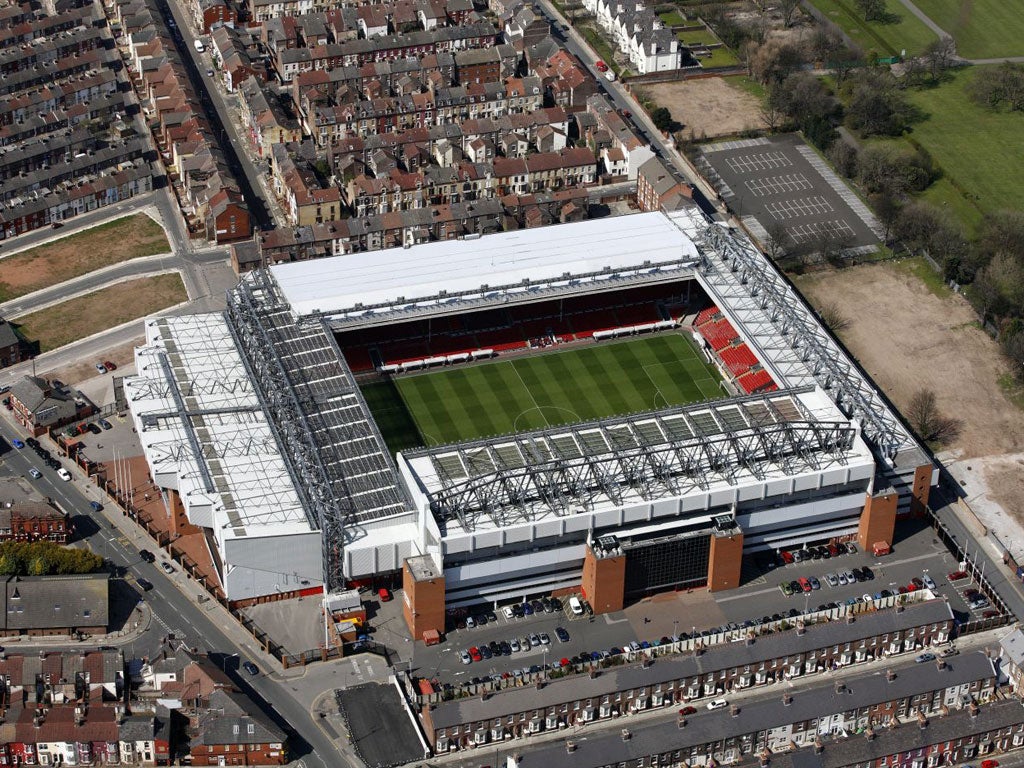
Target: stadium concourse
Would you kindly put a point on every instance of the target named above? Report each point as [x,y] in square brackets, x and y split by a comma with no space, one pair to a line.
[687,408]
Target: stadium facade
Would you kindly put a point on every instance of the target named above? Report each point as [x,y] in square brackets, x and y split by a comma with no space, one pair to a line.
[254,423]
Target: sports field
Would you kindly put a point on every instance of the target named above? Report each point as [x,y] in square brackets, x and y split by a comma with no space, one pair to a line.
[558,387]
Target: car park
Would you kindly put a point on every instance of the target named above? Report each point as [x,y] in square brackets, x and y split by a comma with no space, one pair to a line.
[717,704]
[251,668]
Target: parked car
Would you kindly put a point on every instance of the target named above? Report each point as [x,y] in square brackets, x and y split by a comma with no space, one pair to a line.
[17,443]
[474,654]
[514,645]
[105,424]
[146,586]
[64,475]
[851,548]
[109,365]
[146,555]
[786,588]
[978,602]
[101,368]
[486,652]
[94,428]
[832,579]
[166,567]
[251,668]
[470,622]
[35,472]
[717,704]
[925,657]
[601,66]
[956,575]
[545,639]
[96,506]
[815,584]
[384,594]
[869,575]
[683,712]
[928,581]
[805,584]
[561,634]
[508,613]
[534,639]
[575,606]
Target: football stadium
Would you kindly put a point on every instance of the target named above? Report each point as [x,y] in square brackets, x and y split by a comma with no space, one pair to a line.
[613,407]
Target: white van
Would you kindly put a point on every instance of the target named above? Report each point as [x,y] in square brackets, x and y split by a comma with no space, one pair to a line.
[575,606]
[199,45]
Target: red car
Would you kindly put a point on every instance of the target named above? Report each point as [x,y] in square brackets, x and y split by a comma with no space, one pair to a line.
[109,365]
[384,594]
[989,764]
[787,556]
[601,66]
[474,654]
[687,711]
[956,575]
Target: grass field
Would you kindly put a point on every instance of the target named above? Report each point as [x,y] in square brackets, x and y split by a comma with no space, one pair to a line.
[889,39]
[505,396]
[981,28]
[75,255]
[76,319]
[979,151]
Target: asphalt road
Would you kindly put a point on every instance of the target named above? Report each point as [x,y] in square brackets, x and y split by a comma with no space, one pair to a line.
[199,625]
[245,172]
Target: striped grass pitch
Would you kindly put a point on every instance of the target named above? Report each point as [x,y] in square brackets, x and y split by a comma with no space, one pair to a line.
[503,396]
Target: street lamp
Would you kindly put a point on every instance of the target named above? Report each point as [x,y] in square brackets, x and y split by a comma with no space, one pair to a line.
[675,635]
[224,662]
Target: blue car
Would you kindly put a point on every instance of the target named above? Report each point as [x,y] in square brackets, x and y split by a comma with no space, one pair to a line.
[96,506]
[17,443]
[527,609]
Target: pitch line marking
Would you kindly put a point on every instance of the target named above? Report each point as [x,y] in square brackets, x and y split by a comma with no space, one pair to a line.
[528,392]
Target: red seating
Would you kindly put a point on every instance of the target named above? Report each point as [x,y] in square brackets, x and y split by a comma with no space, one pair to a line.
[358,359]
[719,334]
[757,381]
[738,359]
[705,316]
[635,315]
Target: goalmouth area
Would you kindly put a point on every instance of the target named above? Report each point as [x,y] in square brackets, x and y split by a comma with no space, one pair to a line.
[557,386]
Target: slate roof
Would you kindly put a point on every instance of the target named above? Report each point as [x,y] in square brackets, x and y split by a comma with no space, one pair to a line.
[669,668]
[755,716]
[228,718]
[56,602]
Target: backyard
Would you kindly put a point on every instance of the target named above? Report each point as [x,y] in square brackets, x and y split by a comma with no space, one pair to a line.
[120,240]
[79,318]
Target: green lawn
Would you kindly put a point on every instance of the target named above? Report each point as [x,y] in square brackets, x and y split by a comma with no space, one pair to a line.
[505,396]
[672,19]
[907,32]
[720,57]
[697,37]
[982,28]
[981,152]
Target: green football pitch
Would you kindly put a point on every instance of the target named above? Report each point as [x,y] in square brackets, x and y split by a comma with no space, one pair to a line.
[557,387]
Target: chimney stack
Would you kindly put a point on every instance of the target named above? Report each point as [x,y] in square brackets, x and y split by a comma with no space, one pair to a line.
[890,675]
[626,735]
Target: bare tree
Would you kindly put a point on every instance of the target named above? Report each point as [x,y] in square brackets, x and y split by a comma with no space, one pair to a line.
[788,9]
[833,318]
[939,56]
[872,10]
[778,241]
[924,416]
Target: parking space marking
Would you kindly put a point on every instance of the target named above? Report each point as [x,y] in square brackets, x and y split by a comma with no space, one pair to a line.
[762,161]
[802,233]
[800,207]
[777,185]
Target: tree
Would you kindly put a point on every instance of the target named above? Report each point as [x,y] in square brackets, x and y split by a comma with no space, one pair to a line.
[1002,232]
[887,208]
[877,106]
[924,416]
[883,167]
[998,87]
[843,156]
[1012,342]
[662,119]
[788,9]
[1003,277]
[939,55]
[833,318]
[872,10]
[773,61]
[831,246]
[777,241]
[923,227]
[773,108]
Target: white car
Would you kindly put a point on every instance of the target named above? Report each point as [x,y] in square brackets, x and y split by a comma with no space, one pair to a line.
[841,577]
[63,474]
[832,579]
[928,581]
[507,612]
[718,704]
[575,606]
[464,657]
[470,622]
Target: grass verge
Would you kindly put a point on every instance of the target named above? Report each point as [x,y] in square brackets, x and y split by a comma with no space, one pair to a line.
[76,319]
[111,243]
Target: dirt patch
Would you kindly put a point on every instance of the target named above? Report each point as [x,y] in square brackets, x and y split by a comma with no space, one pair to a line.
[70,321]
[909,338]
[708,107]
[111,243]
[1005,479]
[121,355]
